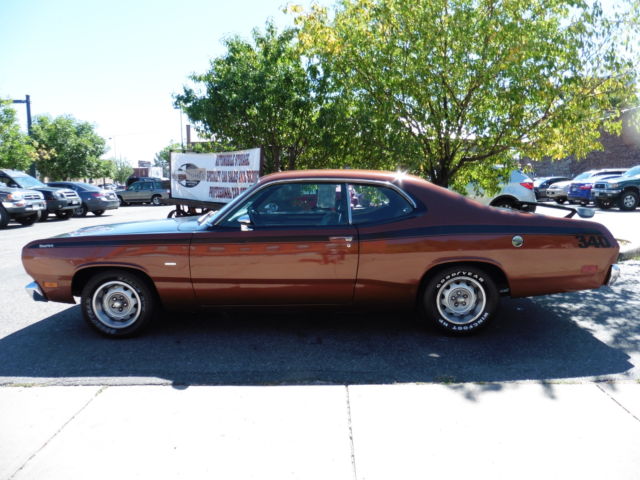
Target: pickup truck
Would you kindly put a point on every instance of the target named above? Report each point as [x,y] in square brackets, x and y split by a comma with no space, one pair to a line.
[23,206]
[623,191]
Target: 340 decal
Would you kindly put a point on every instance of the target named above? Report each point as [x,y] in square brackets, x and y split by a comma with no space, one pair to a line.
[597,241]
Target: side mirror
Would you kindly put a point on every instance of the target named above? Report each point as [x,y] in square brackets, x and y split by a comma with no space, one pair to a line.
[584,212]
[245,223]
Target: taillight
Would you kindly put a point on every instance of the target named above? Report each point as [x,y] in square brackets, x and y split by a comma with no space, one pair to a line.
[528,185]
[586,186]
[98,195]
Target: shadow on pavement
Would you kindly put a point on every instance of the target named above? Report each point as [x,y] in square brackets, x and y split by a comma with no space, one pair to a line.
[530,340]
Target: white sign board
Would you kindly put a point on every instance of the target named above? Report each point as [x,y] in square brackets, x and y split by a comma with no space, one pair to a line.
[213,177]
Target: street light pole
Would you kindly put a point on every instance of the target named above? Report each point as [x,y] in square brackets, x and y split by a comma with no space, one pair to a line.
[27,101]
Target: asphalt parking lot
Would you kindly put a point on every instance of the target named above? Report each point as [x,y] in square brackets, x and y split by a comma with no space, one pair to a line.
[321,394]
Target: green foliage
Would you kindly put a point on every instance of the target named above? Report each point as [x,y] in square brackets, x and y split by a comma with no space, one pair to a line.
[259,93]
[15,149]
[163,157]
[67,148]
[121,170]
[447,88]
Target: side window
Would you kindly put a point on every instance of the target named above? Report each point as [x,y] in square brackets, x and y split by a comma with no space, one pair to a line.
[293,204]
[374,203]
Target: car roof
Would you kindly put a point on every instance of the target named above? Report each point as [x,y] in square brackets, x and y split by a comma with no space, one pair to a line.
[340,174]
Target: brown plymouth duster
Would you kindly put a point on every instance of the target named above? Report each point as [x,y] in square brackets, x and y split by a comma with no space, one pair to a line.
[325,237]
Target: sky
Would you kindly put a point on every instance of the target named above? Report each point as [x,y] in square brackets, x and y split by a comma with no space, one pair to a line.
[117,63]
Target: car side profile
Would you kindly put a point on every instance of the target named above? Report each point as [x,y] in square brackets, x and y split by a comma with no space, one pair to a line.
[155,192]
[346,238]
[94,199]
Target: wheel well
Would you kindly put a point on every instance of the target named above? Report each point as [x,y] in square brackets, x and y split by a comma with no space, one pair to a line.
[498,276]
[510,199]
[82,277]
[634,189]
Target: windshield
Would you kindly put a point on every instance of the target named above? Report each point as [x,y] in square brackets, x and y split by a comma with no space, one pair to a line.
[582,176]
[633,172]
[213,215]
[28,182]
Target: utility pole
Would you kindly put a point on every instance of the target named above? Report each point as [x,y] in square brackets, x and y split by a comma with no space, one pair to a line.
[27,101]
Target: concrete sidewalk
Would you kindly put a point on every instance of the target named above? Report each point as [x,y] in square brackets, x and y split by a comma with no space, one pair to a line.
[497,431]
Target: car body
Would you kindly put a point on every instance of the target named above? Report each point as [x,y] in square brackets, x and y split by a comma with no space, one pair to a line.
[512,193]
[293,239]
[94,199]
[581,185]
[155,192]
[541,184]
[23,206]
[60,201]
[623,191]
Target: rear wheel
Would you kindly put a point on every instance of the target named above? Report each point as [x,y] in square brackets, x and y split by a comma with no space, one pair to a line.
[64,215]
[29,220]
[156,200]
[460,300]
[628,200]
[122,202]
[117,303]
[503,203]
[97,213]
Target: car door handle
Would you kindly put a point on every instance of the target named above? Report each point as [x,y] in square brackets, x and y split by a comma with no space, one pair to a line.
[340,239]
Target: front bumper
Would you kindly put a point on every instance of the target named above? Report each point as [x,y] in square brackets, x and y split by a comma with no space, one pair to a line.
[605,194]
[35,292]
[61,205]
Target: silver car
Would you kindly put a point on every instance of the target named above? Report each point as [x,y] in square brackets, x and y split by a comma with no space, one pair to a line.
[518,189]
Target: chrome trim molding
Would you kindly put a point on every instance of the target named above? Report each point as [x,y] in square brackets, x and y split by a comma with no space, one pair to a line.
[33,290]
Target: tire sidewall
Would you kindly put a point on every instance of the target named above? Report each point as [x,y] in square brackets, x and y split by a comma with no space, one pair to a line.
[627,194]
[147,300]
[430,308]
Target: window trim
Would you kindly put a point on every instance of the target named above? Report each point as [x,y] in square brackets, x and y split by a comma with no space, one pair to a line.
[346,181]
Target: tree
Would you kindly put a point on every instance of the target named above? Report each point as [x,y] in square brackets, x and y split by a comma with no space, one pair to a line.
[67,148]
[15,148]
[452,87]
[122,171]
[257,94]
[162,158]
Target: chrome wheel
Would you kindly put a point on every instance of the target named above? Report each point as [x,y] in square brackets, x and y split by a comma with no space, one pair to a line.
[116,304]
[461,300]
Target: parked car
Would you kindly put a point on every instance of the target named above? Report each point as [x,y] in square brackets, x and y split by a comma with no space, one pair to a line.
[301,238]
[23,206]
[95,200]
[541,184]
[580,188]
[60,201]
[559,191]
[623,191]
[518,189]
[155,192]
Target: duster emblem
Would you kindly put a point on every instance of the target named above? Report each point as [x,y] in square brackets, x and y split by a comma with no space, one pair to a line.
[517,241]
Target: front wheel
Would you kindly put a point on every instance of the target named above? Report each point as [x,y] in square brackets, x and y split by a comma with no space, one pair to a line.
[460,300]
[156,200]
[628,200]
[81,211]
[117,303]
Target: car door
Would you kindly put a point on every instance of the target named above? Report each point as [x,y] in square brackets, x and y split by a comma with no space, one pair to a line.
[286,244]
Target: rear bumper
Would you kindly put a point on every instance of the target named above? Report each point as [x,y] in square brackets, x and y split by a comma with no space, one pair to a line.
[35,292]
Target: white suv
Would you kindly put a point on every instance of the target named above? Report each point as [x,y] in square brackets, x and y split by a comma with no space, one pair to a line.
[518,189]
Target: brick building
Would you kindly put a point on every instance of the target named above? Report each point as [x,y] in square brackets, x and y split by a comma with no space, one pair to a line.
[619,151]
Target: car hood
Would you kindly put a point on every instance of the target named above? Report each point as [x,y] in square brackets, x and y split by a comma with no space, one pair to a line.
[156,227]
